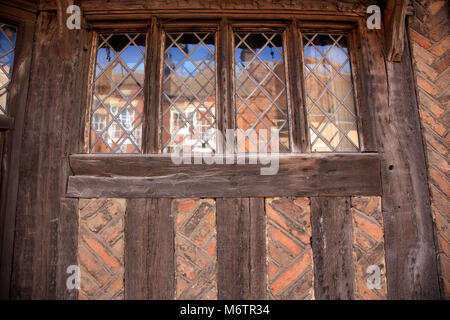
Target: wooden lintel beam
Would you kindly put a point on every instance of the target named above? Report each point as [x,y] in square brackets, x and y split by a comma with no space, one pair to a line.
[143,176]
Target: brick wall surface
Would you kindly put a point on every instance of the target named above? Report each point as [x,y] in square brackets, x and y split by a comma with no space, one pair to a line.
[429,31]
[289,252]
[368,247]
[195,248]
[100,252]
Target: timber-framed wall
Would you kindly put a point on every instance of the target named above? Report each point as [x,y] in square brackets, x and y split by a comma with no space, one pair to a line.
[53,175]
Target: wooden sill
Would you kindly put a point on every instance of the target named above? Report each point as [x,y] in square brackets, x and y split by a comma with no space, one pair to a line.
[144,176]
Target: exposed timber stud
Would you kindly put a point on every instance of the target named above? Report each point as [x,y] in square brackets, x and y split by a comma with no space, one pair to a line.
[395,13]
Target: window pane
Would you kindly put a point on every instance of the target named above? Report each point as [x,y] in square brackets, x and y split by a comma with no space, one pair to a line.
[261,99]
[330,100]
[118,98]
[189,92]
[7,47]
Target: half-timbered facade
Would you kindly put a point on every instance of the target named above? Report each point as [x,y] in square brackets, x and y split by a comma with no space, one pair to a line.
[352,115]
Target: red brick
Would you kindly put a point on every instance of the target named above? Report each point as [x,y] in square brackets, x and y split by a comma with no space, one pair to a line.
[430,104]
[439,201]
[291,274]
[284,240]
[428,119]
[279,255]
[441,48]
[435,143]
[427,86]
[186,269]
[102,253]
[421,40]
[87,260]
[441,181]
[272,270]
[368,227]
[211,248]
[435,6]
[186,206]
[444,246]
[287,225]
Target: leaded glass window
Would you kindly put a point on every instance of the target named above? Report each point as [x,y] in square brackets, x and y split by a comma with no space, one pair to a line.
[260,90]
[118,94]
[330,99]
[189,92]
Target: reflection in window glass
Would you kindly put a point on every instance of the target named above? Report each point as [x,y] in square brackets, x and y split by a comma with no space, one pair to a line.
[189,92]
[330,100]
[118,98]
[7,47]
[261,97]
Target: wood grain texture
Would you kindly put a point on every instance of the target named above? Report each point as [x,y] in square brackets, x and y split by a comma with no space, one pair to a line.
[149,250]
[67,247]
[12,147]
[6,122]
[394,25]
[332,245]
[410,251]
[92,6]
[53,128]
[154,176]
[241,251]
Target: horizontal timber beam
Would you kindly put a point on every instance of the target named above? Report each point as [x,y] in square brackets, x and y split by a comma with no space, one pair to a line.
[152,176]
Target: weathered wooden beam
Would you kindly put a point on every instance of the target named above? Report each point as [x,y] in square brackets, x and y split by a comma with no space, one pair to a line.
[241,255]
[149,250]
[54,128]
[332,245]
[67,248]
[111,6]
[12,147]
[410,251]
[394,24]
[156,176]
[6,122]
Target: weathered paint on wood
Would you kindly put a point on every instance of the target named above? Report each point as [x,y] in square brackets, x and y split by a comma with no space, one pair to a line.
[241,253]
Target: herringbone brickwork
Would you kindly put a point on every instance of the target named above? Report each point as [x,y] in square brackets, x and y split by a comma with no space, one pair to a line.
[289,252]
[100,248]
[368,247]
[429,31]
[195,249]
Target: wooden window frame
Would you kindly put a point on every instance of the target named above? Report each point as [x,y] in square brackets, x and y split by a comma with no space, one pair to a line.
[325,174]
[12,125]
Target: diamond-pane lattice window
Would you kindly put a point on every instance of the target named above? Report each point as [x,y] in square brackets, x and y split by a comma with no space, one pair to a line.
[261,93]
[118,97]
[330,99]
[7,47]
[189,92]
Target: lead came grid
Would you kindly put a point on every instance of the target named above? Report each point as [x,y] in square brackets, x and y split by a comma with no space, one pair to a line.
[330,100]
[118,99]
[189,92]
[261,93]
[7,47]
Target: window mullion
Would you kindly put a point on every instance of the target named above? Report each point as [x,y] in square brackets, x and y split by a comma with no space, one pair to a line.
[152,123]
[224,56]
[299,127]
